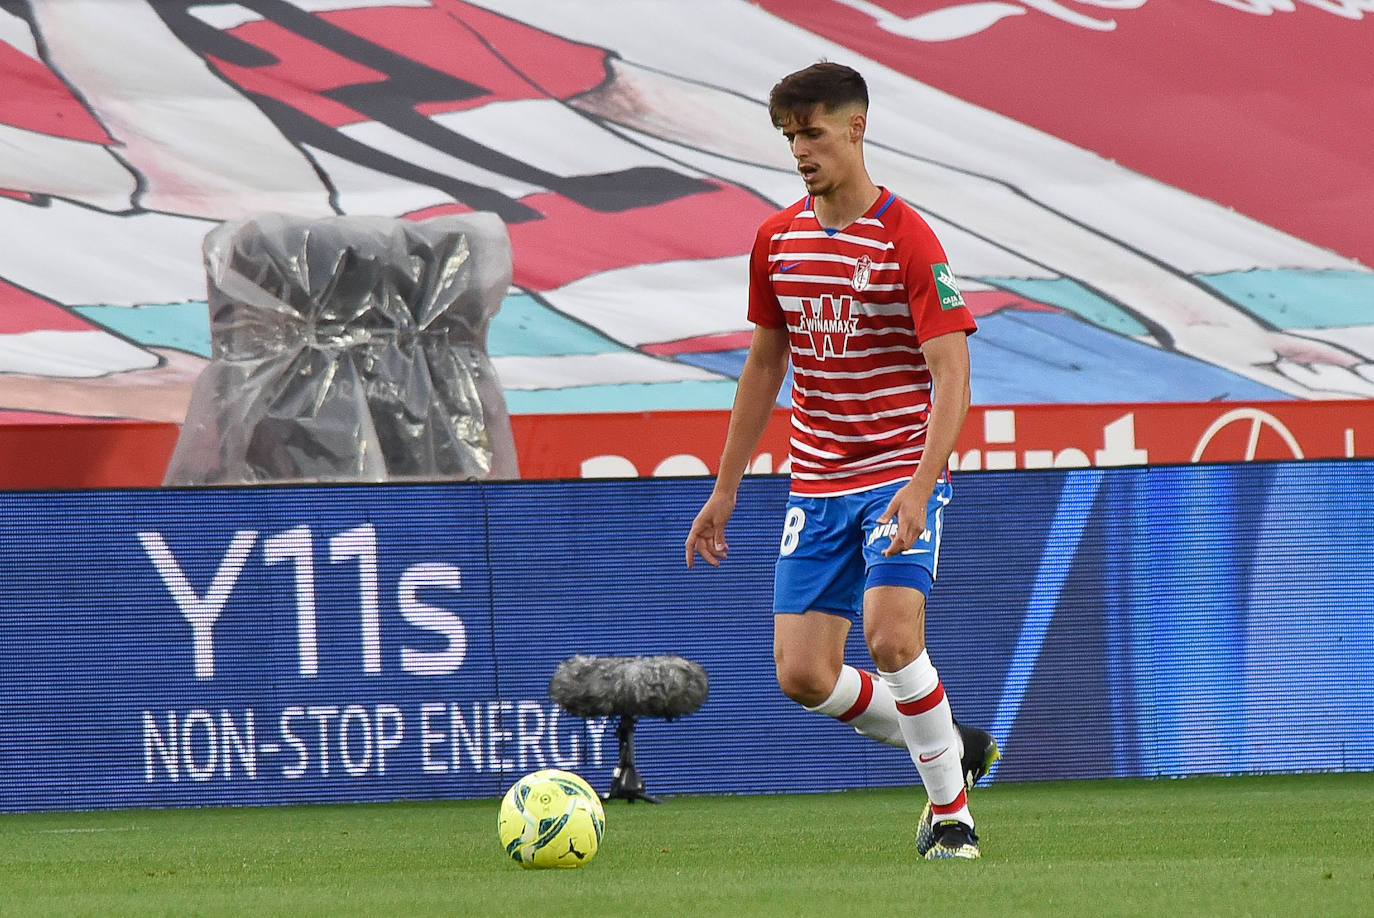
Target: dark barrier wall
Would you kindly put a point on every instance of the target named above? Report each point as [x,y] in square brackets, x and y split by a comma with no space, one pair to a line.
[169,647]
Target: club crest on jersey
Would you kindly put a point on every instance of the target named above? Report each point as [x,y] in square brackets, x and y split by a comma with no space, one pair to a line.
[862,269]
[946,286]
[829,322]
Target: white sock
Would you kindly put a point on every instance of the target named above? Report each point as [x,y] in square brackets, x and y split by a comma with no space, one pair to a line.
[863,701]
[931,737]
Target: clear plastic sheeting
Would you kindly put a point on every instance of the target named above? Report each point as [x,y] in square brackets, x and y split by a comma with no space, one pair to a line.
[350,349]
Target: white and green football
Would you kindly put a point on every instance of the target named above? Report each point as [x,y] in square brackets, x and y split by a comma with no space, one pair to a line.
[551,818]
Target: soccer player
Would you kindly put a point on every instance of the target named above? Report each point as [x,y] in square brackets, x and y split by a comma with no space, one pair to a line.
[853,288]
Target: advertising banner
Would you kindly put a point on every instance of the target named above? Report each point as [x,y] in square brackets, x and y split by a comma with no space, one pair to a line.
[308,644]
[1009,437]
[646,444]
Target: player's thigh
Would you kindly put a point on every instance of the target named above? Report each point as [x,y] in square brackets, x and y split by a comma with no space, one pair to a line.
[894,625]
[896,587]
[810,636]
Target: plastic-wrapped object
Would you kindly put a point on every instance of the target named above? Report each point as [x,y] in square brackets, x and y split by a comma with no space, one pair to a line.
[350,348]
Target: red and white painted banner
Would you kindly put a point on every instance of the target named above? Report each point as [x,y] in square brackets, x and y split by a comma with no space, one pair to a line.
[1021,437]
[1186,92]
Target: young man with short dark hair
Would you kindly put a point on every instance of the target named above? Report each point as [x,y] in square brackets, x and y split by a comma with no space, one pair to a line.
[852,288]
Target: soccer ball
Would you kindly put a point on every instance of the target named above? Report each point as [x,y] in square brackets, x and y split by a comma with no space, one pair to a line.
[551,818]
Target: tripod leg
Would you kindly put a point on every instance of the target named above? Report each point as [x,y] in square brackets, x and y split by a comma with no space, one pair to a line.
[625,781]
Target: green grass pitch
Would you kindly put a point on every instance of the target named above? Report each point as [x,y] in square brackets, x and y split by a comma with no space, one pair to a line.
[1260,845]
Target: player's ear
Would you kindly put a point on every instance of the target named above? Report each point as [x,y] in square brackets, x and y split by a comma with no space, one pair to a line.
[858,121]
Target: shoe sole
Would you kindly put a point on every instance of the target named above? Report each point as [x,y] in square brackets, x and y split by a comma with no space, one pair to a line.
[925,832]
[963,852]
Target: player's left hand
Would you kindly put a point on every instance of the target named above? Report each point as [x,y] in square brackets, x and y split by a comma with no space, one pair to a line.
[908,506]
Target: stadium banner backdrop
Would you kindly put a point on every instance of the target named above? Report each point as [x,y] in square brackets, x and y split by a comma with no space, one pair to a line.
[171,647]
[56,453]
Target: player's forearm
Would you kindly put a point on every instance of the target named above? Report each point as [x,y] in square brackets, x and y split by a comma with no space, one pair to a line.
[755,397]
[947,414]
[949,405]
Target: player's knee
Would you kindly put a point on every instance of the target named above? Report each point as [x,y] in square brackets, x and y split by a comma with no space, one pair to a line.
[806,685]
[892,651]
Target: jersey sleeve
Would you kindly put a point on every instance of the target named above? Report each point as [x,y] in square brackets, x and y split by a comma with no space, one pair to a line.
[764,308]
[937,305]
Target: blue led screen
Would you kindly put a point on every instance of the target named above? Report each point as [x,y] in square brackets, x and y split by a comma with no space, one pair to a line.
[292,644]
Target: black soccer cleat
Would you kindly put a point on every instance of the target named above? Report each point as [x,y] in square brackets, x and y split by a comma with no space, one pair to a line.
[980,751]
[953,839]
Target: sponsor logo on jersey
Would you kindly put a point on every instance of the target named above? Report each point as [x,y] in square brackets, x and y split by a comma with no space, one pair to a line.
[829,322]
[947,287]
[862,269]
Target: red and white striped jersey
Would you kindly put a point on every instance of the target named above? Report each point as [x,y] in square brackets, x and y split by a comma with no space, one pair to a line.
[856,303]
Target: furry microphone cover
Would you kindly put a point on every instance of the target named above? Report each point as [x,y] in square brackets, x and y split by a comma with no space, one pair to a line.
[665,686]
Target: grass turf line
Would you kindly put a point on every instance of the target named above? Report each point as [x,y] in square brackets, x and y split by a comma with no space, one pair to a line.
[1260,845]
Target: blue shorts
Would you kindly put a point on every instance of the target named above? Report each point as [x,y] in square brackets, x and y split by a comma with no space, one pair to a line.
[832,550]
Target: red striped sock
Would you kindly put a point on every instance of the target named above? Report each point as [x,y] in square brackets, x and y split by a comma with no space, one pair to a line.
[931,737]
[863,701]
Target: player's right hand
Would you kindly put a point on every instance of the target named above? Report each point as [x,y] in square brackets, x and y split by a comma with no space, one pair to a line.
[707,535]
